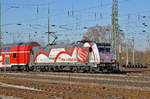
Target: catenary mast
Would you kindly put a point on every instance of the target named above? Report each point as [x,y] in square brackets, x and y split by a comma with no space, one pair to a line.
[115,36]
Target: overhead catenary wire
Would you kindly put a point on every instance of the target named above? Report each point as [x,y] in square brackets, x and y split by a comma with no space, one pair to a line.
[76,18]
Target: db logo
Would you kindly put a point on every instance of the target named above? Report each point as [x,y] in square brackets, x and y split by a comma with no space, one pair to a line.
[82,55]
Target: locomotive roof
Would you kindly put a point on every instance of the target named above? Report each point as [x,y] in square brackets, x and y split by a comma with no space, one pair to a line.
[22,43]
[103,44]
[66,45]
[62,45]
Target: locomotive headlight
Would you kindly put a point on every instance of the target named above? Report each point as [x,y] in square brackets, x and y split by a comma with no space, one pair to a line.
[102,60]
[113,60]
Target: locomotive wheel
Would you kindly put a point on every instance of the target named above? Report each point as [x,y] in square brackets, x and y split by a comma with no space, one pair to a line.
[91,70]
[74,69]
[42,69]
[105,70]
[31,68]
[50,69]
[37,69]
[86,70]
[55,69]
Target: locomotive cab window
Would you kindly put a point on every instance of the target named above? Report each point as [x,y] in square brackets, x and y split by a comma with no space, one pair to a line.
[101,50]
[90,49]
[107,49]
[14,55]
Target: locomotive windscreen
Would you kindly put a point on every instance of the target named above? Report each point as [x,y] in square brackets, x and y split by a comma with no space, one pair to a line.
[103,47]
[104,50]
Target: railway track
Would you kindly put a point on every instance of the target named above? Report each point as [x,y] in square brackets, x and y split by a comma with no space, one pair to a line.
[122,69]
[46,90]
[86,78]
[74,86]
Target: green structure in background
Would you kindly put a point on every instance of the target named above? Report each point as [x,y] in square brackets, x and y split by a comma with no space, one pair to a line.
[115,36]
[0,29]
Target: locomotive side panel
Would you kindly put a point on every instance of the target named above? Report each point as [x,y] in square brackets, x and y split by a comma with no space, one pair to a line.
[67,56]
[56,55]
[75,54]
[59,55]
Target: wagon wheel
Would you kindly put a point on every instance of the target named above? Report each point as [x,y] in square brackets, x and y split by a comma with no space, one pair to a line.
[26,68]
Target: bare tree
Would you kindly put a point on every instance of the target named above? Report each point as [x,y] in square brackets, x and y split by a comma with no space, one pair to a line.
[101,34]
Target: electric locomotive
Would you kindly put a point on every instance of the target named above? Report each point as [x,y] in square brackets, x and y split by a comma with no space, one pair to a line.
[82,56]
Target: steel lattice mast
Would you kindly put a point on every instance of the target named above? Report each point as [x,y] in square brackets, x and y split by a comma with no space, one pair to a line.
[0,29]
[115,30]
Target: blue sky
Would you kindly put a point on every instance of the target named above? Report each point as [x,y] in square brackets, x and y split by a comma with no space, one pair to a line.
[32,15]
